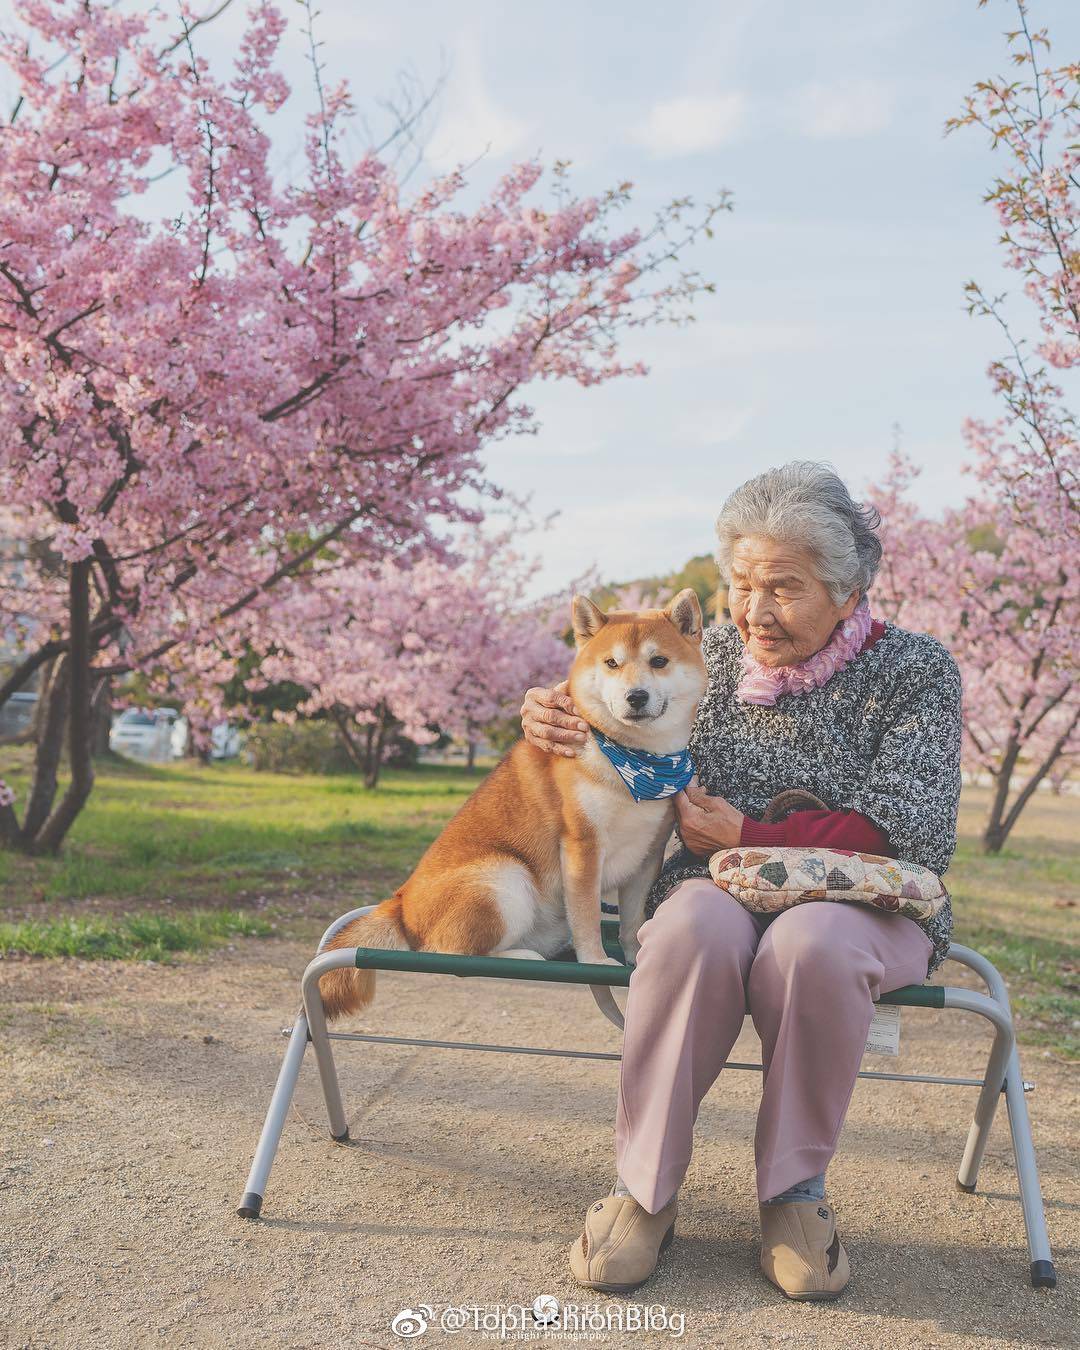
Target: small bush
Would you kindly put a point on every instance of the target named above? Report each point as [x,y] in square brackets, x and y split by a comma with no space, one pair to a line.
[401,753]
[316,747]
[303,747]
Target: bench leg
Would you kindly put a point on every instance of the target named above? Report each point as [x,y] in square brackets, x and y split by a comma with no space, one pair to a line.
[266,1149]
[986,1107]
[1043,1275]
[320,1043]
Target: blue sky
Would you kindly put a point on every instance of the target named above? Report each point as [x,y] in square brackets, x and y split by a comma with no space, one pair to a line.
[838,309]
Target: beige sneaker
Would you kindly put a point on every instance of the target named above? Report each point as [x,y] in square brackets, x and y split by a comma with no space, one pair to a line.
[621,1243]
[801,1252]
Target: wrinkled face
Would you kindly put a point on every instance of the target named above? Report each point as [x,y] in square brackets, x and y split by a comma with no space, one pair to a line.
[781,607]
[643,668]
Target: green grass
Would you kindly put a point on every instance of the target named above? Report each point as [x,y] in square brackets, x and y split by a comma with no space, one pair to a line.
[1020,909]
[190,839]
[192,834]
[131,937]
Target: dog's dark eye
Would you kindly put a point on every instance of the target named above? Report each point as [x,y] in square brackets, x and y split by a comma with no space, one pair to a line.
[658,662]
[611,663]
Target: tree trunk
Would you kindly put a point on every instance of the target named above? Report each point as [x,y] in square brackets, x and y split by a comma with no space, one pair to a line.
[376,743]
[37,721]
[993,837]
[9,827]
[101,717]
[995,831]
[341,721]
[80,762]
[470,762]
[1000,824]
[50,740]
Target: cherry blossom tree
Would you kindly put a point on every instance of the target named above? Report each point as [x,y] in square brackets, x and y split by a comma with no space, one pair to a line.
[438,646]
[195,408]
[997,579]
[1060,774]
[998,591]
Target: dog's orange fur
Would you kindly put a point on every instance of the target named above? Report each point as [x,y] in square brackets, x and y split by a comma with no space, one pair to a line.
[532,812]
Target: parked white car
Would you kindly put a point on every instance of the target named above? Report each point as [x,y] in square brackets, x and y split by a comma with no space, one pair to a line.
[160,734]
[226,741]
[178,738]
[144,733]
[17,714]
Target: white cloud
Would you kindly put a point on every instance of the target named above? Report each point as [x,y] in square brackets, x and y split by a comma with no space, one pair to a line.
[558,446]
[703,344]
[471,124]
[622,537]
[714,425]
[342,22]
[840,110]
[649,508]
[690,125]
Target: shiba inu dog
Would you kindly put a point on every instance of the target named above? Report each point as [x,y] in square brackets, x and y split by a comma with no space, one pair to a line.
[519,870]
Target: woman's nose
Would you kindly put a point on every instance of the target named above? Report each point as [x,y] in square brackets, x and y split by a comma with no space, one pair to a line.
[759,611]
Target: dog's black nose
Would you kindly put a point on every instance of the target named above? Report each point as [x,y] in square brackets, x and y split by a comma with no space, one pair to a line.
[637,698]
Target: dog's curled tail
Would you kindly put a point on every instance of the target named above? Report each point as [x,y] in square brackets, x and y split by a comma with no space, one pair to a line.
[350,989]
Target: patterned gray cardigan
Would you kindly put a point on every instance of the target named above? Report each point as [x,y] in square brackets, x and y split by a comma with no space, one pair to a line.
[882,737]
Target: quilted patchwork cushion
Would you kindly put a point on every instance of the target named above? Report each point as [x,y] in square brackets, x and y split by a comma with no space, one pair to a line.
[766,880]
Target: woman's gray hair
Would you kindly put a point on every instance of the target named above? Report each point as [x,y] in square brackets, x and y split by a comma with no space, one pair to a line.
[805,502]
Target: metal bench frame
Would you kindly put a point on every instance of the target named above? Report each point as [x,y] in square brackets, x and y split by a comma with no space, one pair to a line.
[1002,1071]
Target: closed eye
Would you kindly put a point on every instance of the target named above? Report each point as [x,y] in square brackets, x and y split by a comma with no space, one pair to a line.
[658,662]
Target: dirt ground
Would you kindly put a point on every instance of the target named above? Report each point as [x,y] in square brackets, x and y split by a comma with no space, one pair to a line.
[132,1096]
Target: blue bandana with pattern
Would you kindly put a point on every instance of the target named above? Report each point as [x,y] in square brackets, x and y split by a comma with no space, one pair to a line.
[647,777]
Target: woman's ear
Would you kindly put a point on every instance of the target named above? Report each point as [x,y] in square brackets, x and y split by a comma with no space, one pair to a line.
[684,611]
[847,609]
[587,619]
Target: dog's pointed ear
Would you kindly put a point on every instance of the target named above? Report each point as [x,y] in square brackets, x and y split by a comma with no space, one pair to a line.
[684,611]
[588,620]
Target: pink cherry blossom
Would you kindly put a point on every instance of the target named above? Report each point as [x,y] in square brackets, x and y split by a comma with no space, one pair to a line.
[437,646]
[196,408]
[998,579]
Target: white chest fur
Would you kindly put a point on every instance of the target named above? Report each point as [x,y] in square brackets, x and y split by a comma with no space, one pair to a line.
[626,830]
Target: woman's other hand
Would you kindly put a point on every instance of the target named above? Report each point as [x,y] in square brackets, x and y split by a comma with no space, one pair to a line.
[550,721]
[706,823]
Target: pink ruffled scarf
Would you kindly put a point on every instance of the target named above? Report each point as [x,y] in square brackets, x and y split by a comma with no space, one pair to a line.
[764,684]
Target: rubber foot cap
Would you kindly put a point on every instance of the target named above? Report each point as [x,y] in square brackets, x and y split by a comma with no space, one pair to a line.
[968,1190]
[250,1205]
[340,1138]
[1043,1275]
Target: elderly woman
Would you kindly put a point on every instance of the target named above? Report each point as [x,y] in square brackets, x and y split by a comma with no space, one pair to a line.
[806,690]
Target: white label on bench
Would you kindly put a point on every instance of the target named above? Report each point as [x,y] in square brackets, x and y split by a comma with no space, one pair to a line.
[883,1038]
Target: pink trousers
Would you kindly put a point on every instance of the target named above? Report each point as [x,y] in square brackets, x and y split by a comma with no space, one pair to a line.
[808,978]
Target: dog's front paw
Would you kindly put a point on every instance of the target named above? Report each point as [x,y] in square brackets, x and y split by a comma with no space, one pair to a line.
[630,948]
[602,960]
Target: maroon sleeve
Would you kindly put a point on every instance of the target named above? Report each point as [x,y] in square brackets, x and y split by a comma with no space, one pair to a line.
[829,829]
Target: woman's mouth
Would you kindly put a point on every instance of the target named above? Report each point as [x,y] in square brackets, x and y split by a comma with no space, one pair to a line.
[767,639]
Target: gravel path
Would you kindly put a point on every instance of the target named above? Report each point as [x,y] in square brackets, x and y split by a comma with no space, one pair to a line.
[131,1097]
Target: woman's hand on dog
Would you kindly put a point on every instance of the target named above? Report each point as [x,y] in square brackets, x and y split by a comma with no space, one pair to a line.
[550,721]
[706,823]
